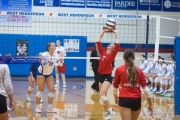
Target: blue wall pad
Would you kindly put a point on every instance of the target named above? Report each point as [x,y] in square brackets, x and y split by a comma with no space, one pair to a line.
[177,76]
[36,44]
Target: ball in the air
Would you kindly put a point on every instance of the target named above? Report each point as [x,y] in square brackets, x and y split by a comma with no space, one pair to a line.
[111,23]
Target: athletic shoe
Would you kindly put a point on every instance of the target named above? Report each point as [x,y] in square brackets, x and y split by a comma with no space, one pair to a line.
[163,93]
[168,95]
[64,85]
[151,88]
[171,89]
[109,115]
[160,92]
[38,109]
[56,85]
[51,110]
[28,98]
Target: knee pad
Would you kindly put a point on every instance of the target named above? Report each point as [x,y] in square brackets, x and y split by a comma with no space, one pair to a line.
[39,94]
[62,75]
[30,88]
[103,98]
[165,82]
[162,82]
[51,94]
[157,80]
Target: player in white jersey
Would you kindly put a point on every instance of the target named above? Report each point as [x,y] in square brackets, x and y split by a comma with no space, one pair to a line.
[143,63]
[164,80]
[60,49]
[48,61]
[160,70]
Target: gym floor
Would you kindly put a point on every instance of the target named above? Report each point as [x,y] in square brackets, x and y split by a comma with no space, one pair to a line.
[79,102]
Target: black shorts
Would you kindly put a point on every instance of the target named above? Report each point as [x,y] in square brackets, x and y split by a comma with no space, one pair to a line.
[3,104]
[134,104]
[46,76]
[105,77]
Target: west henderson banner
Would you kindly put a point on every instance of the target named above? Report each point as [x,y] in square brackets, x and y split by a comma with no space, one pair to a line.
[60,3]
[98,4]
[13,5]
[155,5]
[125,4]
[171,5]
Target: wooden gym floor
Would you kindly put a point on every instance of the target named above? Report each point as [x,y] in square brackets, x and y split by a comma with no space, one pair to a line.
[79,102]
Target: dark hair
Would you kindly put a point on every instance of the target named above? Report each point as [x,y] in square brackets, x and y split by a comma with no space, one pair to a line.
[129,59]
[143,55]
[48,46]
[159,57]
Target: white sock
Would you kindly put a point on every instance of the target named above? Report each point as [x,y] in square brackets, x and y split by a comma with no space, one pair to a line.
[110,109]
[49,105]
[64,82]
[57,82]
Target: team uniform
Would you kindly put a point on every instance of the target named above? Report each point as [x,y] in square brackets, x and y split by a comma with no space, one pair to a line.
[105,62]
[47,64]
[34,69]
[60,49]
[143,65]
[129,96]
[151,67]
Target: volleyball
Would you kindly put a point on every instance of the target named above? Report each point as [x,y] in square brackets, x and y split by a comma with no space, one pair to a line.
[111,24]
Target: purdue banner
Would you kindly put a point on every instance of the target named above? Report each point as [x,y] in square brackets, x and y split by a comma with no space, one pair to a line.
[125,4]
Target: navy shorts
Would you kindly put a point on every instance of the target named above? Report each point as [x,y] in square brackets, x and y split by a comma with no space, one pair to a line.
[105,77]
[3,104]
[133,104]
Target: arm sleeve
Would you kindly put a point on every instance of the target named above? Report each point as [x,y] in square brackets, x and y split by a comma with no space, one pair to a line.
[7,81]
[31,68]
[116,79]
[100,48]
[92,55]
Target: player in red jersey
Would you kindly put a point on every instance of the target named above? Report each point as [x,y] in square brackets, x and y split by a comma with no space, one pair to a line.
[129,79]
[105,69]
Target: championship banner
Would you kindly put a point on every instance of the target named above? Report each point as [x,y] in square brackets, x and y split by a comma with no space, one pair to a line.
[155,5]
[11,5]
[171,5]
[125,4]
[106,4]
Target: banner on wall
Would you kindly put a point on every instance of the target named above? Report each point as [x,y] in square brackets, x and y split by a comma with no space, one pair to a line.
[22,48]
[155,5]
[60,3]
[13,5]
[46,3]
[98,4]
[125,4]
[171,5]
[71,45]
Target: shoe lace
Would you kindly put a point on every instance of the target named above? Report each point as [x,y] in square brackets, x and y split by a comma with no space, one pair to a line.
[108,114]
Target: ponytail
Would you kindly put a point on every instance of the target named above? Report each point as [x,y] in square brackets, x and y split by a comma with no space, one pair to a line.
[131,71]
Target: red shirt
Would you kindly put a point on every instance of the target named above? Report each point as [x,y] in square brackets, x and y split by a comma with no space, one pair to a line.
[106,59]
[125,88]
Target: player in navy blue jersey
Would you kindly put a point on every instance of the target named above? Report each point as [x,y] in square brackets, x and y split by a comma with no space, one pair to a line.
[32,77]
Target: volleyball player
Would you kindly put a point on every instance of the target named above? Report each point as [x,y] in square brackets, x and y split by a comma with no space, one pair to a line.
[49,60]
[143,63]
[105,69]
[6,91]
[60,49]
[160,71]
[32,77]
[129,79]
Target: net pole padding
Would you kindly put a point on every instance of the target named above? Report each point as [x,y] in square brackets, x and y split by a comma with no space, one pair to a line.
[156,50]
